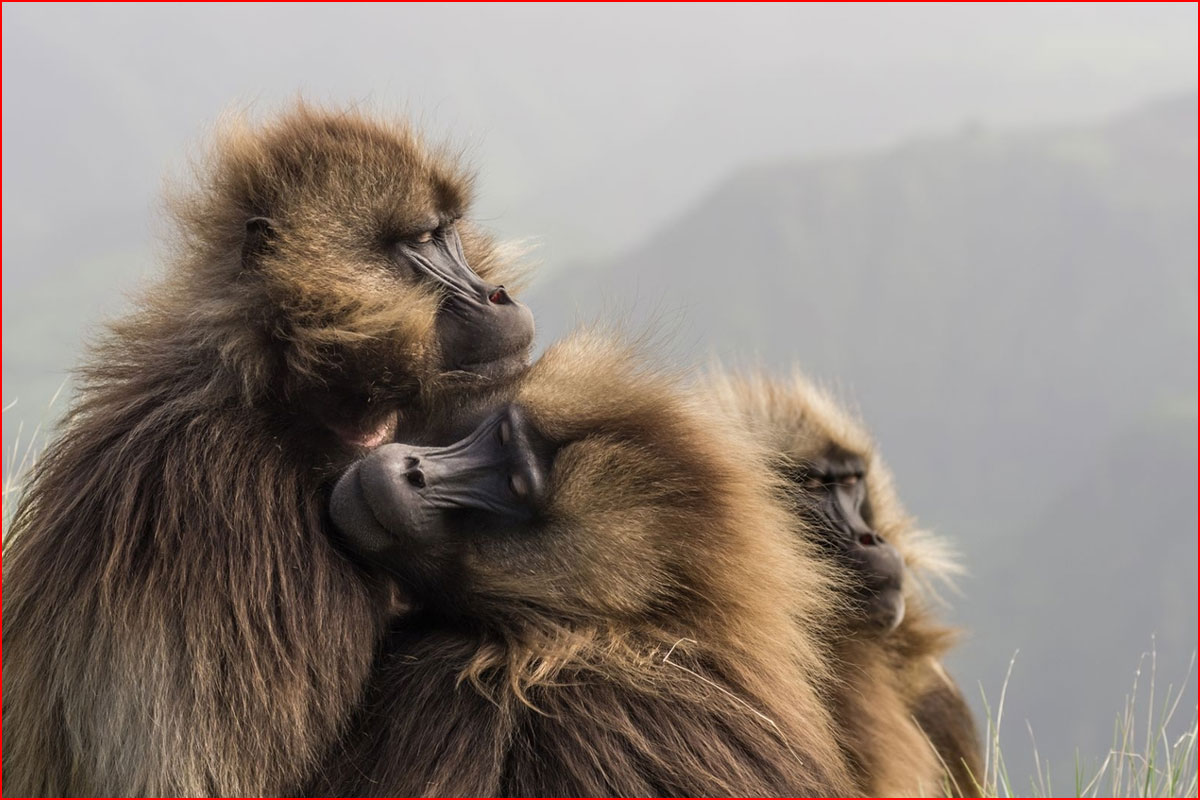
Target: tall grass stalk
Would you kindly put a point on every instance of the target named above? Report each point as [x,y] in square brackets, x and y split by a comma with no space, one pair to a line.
[1155,759]
[24,453]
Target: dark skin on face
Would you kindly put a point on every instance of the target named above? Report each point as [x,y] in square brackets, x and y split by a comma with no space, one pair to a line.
[480,329]
[834,500]
[404,507]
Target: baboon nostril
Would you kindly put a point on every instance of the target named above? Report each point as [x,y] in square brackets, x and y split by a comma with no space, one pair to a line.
[415,478]
[868,539]
[499,296]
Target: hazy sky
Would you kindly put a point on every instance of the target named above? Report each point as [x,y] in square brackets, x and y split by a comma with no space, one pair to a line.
[567,110]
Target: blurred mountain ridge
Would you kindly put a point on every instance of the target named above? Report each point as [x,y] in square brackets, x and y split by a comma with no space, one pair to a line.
[1015,316]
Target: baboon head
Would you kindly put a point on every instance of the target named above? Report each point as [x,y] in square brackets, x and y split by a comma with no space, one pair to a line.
[592,492]
[837,483]
[334,250]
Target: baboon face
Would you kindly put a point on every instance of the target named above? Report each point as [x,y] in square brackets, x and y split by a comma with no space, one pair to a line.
[584,509]
[357,263]
[833,499]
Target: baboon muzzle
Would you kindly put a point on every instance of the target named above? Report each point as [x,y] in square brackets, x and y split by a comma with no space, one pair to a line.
[400,493]
[480,328]
[877,565]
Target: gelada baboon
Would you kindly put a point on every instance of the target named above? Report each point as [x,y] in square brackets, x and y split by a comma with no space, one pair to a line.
[892,699]
[605,594]
[175,620]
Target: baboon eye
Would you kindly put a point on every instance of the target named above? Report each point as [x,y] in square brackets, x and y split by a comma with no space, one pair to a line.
[425,237]
[851,480]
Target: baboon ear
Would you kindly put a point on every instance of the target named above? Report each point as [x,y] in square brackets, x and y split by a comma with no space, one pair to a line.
[260,231]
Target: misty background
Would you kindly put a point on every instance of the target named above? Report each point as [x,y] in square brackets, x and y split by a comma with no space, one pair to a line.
[977,223]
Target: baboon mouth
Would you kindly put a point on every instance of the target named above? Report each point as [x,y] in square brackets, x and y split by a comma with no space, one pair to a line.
[368,433]
[886,609]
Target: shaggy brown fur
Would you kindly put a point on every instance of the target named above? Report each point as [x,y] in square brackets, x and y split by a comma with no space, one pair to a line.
[175,620]
[637,638]
[893,697]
